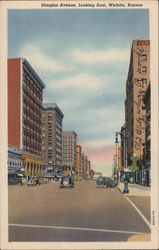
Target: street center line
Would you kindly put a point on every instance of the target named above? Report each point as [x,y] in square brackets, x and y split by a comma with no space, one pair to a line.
[76,228]
[140,213]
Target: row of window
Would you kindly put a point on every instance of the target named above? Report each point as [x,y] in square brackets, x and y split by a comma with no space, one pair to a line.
[31,149]
[30,81]
[30,110]
[31,131]
[34,95]
[31,121]
[29,139]
[31,101]
[14,163]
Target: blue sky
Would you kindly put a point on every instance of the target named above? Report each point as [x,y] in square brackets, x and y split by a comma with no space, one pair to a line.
[83,57]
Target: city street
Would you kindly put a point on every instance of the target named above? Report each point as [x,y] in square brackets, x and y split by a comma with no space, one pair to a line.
[83,213]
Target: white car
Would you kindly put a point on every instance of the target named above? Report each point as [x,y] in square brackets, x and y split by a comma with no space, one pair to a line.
[96,176]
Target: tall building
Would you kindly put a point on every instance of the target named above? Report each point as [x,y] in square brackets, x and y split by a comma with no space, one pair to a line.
[25,95]
[69,141]
[137,82]
[84,166]
[79,160]
[52,135]
[88,169]
[147,148]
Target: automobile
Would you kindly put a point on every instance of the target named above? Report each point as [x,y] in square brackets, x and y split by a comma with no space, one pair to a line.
[32,182]
[37,180]
[104,182]
[67,181]
[96,176]
[13,181]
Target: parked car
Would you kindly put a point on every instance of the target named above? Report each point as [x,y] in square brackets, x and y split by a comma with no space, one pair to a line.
[37,180]
[67,181]
[13,181]
[32,182]
[96,176]
[104,182]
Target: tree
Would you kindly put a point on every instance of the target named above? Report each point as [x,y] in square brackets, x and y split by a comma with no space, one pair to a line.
[134,166]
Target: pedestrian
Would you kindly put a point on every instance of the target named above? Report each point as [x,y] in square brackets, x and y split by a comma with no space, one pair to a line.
[21,183]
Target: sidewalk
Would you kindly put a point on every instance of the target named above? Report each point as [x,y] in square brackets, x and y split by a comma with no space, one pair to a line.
[135,190]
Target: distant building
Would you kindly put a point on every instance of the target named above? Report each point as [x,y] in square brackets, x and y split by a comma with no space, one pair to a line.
[52,118]
[88,169]
[84,166]
[136,85]
[79,161]
[25,95]
[69,144]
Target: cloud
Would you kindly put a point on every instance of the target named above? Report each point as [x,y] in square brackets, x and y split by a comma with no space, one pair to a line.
[100,56]
[82,81]
[40,60]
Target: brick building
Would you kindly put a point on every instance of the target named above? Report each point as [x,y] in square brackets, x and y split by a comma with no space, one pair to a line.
[52,118]
[136,85]
[69,141]
[79,160]
[25,95]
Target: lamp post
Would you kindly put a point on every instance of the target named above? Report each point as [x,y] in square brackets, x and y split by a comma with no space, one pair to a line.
[117,156]
[122,135]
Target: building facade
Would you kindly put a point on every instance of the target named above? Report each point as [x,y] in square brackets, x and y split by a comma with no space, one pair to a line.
[147,148]
[137,82]
[69,144]
[52,118]
[14,161]
[25,95]
[88,169]
[79,160]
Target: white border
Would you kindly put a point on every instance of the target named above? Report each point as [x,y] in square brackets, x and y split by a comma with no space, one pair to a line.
[153,244]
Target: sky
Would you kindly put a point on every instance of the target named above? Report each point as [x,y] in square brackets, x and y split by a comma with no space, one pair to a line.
[82,56]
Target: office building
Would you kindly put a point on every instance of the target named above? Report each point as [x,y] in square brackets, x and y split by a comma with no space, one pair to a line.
[52,118]
[88,169]
[79,160]
[69,141]
[136,85]
[25,95]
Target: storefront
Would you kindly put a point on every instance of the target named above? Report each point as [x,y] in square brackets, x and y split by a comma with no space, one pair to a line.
[14,161]
[143,177]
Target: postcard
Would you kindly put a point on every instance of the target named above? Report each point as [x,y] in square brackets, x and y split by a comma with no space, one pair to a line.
[79,124]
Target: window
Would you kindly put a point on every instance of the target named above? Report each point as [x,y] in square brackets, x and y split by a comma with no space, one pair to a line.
[144,58]
[144,82]
[144,69]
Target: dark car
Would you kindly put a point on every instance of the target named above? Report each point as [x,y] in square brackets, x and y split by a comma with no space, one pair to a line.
[104,182]
[37,180]
[67,181]
[32,182]
[13,181]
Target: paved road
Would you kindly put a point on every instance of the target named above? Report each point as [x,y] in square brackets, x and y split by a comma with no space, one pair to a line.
[85,213]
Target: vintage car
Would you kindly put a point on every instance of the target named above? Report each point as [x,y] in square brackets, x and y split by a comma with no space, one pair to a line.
[104,182]
[32,182]
[13,181]
[67,181]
